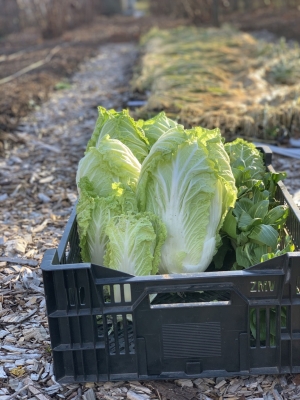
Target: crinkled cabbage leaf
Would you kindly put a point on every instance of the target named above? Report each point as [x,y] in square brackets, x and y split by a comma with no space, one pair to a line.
[119,125]
[187,181]
[111,162]
[134,244]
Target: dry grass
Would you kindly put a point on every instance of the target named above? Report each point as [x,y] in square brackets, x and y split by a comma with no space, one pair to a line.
[222,77]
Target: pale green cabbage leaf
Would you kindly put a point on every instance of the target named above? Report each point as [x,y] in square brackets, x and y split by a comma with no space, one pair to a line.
[111,162]
[103,116]
[134,244]
[119,125]
[157,126]
[186,180]
[94,214]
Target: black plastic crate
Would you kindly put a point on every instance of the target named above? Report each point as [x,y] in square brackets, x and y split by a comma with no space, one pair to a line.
[172,326]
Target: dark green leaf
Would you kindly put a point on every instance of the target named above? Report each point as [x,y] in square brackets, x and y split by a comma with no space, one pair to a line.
[264,234]
[242,258]
[260,195]
[246,256]
[242,238]
[242,205]
[259,209]
[276,216]
[229,225]
[246,223]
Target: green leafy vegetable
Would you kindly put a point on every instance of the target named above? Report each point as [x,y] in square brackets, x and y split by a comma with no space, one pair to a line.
[111,162]
[154,197]
[134,244]
[157,126]
[93,215]
[186,180]
[246,163]
[255,223]
[103,116]
[288,246]
[119,125]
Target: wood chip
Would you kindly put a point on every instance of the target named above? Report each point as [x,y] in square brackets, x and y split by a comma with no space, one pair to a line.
[21,261]
[5,357]
[136,396]
[40,228]
[220,384]
[89,395]
[17,318]
[2,373]
[14,349]
[37,393]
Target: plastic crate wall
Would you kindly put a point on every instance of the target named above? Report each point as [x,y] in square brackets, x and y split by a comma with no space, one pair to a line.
[107,325]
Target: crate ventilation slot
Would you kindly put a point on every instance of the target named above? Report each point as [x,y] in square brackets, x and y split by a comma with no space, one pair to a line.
[119,330]
[117,293]
[264,325]
[66,252]
[82,296]
[72,292]
[71,297]
[298,286]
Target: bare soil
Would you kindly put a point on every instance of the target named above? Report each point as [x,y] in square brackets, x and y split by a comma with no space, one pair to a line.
[22,50]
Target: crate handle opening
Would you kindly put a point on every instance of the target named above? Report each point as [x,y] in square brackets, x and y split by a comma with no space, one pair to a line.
[190,299]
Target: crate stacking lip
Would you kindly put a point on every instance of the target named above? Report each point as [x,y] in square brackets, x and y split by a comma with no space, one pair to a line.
[106,325]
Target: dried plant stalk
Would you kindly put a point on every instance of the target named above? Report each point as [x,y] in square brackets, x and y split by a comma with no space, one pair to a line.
[222,78]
